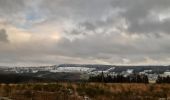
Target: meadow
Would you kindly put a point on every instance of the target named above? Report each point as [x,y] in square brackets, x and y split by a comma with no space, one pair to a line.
[85,91]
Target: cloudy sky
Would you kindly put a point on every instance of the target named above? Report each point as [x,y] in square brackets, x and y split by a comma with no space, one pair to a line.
[42,32]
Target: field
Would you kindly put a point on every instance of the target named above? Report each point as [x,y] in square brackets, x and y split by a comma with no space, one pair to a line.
[85,91]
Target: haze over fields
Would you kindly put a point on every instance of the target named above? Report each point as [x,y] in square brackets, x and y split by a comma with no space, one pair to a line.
[46,32]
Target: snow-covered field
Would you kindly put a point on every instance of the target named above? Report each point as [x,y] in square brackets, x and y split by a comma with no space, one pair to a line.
[72,69]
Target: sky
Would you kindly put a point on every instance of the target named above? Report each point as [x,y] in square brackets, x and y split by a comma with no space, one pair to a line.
[47,32]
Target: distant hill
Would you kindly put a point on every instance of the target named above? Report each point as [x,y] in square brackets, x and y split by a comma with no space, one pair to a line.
[74,72]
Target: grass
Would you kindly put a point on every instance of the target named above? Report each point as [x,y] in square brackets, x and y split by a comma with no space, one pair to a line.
[77,91]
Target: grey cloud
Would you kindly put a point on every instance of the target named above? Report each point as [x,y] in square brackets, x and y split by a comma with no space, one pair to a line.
[77,9]
[3,36]
[11,7]
[100,45]
[151,27]
[104,48]
[88,25]
[91,12]
[137,10]
[74,32]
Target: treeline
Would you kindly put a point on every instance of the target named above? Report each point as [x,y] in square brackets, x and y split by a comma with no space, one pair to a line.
[17,78]
[34,77]
[163,79]
[133,78]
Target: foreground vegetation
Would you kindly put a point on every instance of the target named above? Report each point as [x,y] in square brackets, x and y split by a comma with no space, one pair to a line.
[81,91]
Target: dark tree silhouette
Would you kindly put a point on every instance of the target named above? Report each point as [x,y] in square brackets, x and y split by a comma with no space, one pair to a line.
[163,79]
[133,78]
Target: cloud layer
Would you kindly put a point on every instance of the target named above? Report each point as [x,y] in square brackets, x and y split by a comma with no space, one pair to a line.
[84,31]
